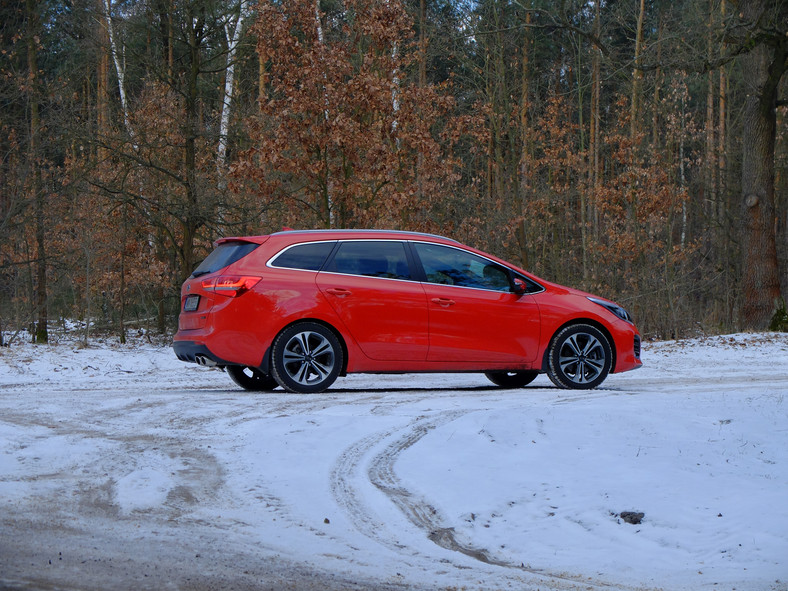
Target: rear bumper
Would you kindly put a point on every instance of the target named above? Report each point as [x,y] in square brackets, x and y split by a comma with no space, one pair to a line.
[190,351]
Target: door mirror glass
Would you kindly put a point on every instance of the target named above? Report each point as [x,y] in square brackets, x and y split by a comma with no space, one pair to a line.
[519,287]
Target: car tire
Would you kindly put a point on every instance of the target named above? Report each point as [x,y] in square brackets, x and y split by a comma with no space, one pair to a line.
[306,358]
[579,357]
[251,378]
[511,379]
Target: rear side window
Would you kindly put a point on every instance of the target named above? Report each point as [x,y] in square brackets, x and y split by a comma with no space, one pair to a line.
[371,259]
[224,255]
[308,257]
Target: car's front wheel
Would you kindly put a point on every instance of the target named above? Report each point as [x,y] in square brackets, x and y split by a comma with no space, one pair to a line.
[306,358]
[250,378]
[580,357]
[511,379]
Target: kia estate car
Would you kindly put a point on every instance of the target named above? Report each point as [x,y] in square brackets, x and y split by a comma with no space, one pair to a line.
[297,309]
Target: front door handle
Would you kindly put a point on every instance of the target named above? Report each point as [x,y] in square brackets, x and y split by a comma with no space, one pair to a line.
[443,302]
[339,292]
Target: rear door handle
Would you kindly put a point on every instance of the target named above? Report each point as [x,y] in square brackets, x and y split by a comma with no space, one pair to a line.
[339,292]
[443,302]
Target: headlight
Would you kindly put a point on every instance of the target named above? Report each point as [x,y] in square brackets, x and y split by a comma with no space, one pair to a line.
[614,308]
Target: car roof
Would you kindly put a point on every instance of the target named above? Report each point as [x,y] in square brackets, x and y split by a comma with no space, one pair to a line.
[289,237]
[346,234]
[363,232]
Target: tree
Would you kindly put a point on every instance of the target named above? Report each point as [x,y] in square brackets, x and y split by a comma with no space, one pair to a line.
[762,25]
[342,138]
[36,188]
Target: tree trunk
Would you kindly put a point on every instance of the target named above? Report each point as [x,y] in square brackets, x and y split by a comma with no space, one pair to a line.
[102,86]
[655,120]
[233,32]
[637,75]
[711,144]
[193,218]
[765,65]
[327,197]
[120,67]
[721,129]
[525,151]
[36,190]
[422,44]
[596,119]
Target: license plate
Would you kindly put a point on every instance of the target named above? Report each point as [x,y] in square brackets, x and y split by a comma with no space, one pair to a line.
[192,303]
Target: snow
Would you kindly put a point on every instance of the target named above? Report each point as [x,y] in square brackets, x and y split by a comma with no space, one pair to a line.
[415,481]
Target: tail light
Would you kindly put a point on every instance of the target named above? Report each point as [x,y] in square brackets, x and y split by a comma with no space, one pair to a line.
[230,286]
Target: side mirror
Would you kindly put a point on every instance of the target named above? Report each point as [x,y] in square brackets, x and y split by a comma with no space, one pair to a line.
[518,286]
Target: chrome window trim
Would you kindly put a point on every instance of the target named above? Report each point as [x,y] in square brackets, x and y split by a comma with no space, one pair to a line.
[369,277]
[459,247]
[335,241]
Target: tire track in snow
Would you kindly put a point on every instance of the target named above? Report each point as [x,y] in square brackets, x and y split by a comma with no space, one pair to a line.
[417,509]
[345,492]
[347,472]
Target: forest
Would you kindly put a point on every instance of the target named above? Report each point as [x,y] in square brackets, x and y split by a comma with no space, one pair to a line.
[635,149]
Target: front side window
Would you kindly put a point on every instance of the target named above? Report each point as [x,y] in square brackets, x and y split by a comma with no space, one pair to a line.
[307,257]
[451,266]
[385,259]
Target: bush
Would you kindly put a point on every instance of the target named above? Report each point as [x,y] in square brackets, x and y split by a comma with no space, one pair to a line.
[779,321]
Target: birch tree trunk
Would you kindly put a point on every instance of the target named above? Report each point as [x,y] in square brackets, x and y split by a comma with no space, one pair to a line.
[120,68]
[233,33]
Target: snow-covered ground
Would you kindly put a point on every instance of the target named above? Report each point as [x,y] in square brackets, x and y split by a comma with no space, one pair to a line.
[123,468]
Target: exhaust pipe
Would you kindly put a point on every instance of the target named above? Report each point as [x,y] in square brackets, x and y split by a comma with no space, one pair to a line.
[205,361]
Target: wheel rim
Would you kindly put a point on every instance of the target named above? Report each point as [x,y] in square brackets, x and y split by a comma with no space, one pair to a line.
[308,358]
[582,358]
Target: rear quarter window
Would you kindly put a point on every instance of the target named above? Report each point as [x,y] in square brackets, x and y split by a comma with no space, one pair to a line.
[224,255]
[307,257]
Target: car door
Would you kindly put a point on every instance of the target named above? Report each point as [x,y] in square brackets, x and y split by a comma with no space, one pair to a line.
[370,285]
[473,314]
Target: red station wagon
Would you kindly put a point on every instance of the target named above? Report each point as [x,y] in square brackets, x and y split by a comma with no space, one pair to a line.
[297,309]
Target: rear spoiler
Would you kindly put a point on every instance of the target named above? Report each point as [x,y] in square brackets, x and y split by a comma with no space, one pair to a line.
[252,239]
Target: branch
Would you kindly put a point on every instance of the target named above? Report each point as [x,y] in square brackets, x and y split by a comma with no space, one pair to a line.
[562,23]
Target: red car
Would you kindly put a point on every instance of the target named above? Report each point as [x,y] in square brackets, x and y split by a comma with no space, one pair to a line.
[296,309]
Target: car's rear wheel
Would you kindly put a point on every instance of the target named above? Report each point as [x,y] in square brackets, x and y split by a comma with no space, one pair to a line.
[251,378]
[511,379]
[307,358]
[580,357]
